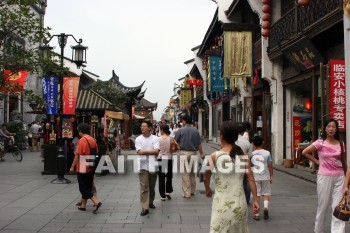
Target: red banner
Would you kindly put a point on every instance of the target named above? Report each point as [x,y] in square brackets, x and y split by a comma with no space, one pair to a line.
[13,78]
[297,136]
[337,95]
[70,93]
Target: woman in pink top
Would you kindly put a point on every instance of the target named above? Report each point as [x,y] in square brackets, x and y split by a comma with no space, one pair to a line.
[330,178]
[165,172]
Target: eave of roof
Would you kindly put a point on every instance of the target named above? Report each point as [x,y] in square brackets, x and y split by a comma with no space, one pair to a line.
[189,61]
[213,28]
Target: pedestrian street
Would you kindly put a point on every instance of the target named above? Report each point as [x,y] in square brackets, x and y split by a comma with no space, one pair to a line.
[30,203]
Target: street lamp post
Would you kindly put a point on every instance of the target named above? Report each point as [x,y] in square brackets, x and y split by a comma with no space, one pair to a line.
[79,58]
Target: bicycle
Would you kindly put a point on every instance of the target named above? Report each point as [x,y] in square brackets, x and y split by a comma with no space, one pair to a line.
[10,147]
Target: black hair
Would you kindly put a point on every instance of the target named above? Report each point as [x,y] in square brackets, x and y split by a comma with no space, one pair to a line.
[149,124]
[257,140]
[4,125]
[165,128]
[187,118]
[241,128]
[247,125]
[324,133]
[84,128]
[229,134]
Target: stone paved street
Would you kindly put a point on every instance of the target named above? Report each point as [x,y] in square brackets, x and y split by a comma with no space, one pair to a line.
[30,203]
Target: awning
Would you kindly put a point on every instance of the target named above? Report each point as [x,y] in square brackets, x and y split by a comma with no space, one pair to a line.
[90,100]
[117,115]
[138,117]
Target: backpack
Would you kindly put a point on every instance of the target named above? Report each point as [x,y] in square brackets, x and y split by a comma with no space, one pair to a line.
[93,151]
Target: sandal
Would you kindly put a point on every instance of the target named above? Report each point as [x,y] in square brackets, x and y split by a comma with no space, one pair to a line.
[97,207]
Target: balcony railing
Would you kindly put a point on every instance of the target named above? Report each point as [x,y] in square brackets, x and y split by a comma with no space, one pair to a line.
[298,19]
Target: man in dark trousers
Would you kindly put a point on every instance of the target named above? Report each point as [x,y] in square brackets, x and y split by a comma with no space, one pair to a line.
[190,142]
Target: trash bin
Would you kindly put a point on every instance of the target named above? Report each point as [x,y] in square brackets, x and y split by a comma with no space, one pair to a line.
[50,159]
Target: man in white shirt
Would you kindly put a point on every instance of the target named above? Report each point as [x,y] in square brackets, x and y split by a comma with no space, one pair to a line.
[246,147]
[147,147]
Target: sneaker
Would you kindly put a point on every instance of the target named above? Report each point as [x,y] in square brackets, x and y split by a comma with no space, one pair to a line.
[167,195]
[256,217]
[163,198]
[266,213]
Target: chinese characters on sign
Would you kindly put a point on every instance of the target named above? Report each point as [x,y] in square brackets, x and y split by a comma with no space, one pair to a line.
[216,81]
[186,97]
[297,136]
[337,91]
[50,90]
[70,93]
[303,55]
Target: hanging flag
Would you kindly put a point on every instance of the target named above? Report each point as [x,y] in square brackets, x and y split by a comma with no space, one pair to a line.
[70,93]
[337,92]
[216,80]
[238,56]
[50,90]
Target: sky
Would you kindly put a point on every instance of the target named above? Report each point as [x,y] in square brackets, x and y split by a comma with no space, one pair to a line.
[141,40]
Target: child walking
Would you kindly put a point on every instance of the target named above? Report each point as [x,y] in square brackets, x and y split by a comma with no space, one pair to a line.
[262,170]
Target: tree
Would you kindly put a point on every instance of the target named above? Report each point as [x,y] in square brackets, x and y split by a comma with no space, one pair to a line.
[105,88]
[21,32]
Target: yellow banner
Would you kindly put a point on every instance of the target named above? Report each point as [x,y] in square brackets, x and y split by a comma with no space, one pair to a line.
[186,97]
[238,57]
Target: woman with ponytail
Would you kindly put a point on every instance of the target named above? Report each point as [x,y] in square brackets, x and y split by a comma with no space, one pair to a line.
[229,208]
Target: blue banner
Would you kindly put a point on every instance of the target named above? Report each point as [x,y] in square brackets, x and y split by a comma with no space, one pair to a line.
[50,90]
[216,80]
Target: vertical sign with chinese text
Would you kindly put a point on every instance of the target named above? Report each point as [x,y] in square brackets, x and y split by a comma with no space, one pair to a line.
[185,97]
[50,90]
[70,93]
[297,136]
[337,95]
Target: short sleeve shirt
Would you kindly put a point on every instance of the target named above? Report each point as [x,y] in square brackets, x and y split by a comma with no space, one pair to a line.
[147,162]
[329,157]
[164,144]
[84,149]
[260,160]
[188,138]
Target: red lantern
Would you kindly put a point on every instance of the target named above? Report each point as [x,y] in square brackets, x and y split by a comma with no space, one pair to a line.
[266,8]
[265,32]
[266,1]
[266,17]
[266,25]
[304,3]
[308,104]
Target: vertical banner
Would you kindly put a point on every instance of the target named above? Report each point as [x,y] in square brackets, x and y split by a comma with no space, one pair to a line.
[216,80]
[50,90]
[185,97]
[337,95]
[238,56]
[297,131]
[70,93]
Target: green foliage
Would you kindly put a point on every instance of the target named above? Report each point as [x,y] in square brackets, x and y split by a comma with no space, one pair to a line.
[20,138]
[110,92]
[32,98]
[21,31]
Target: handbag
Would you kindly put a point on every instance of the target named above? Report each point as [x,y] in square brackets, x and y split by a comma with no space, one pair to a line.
[173,145]
[342,210]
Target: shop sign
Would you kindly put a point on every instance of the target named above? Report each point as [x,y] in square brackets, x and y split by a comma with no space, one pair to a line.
[297,131]
[337,92]
[50,90]
[70,93]
[19,77]
[238,56]
[67,128]
[216,82]
[186,96]
[303,55]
